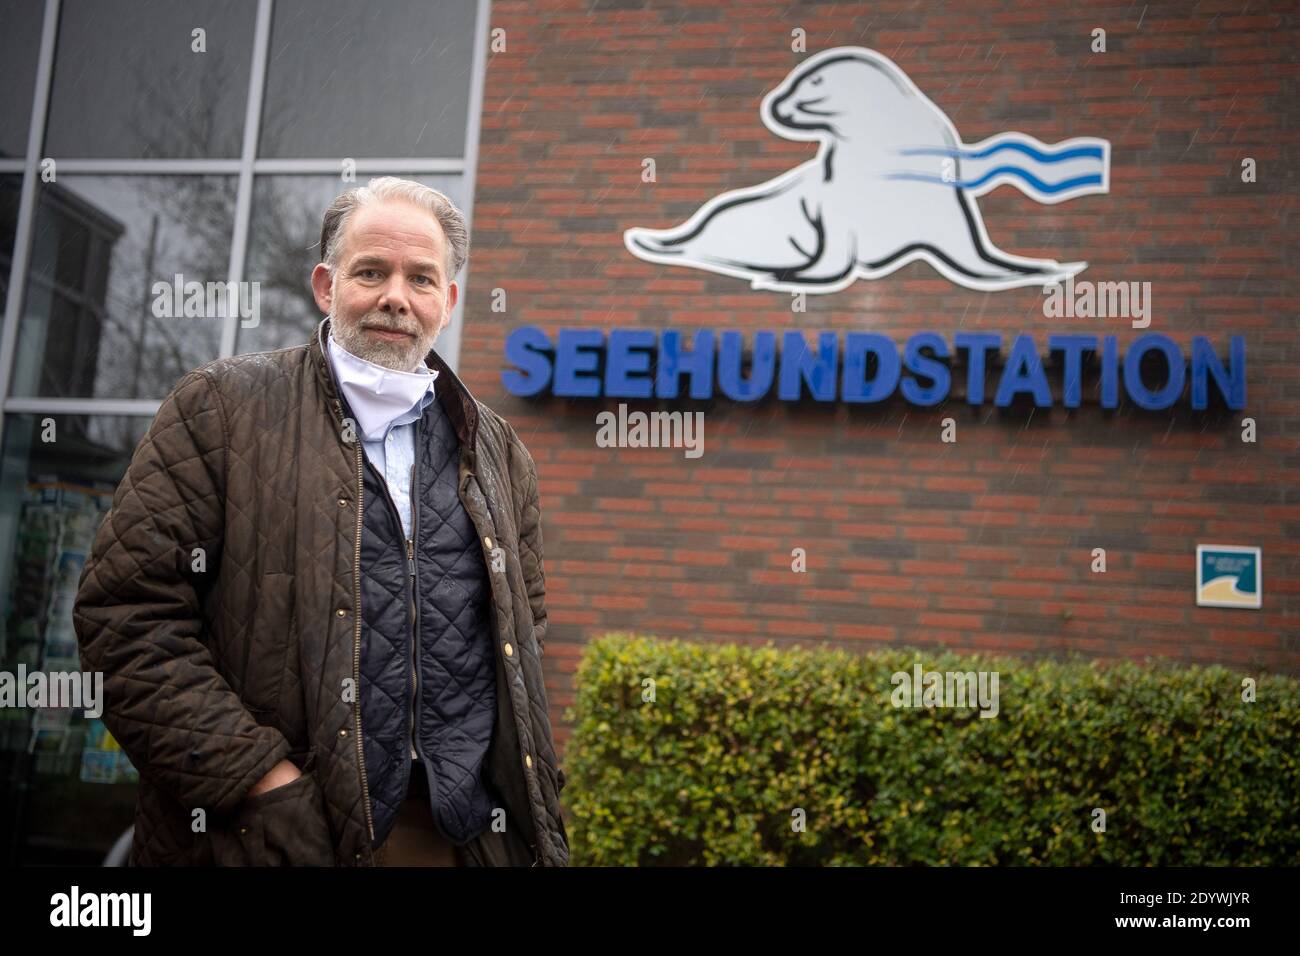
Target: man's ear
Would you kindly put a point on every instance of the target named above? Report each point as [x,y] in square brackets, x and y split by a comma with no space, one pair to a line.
[453,292]
[322,287]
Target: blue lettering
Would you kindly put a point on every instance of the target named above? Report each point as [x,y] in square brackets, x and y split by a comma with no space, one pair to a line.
[1023,373]
[920,364]
[645,363]
[798,363]
[576,352]
[624,358]
[697,363]
[1073,346]
[978,343]
[527,348]
[1177,372]
[857,387]
[1109,372]
[1233,390]
[762,368]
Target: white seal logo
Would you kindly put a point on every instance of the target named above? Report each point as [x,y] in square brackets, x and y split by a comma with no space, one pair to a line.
[891,183]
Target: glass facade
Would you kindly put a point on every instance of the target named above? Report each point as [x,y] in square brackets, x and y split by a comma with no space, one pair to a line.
[69,790]
[20,41]
[98,246]
[129,82]
[283,246]
[314,105]
[200,141]
[11,188]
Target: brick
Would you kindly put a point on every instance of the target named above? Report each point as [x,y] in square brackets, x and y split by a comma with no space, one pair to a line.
[937,544]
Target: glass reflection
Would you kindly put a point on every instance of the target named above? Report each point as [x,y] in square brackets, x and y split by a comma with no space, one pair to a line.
[20,42]
[94,324]
[68,791]
[284,247]
[388,79]
[11,188]
[129,82]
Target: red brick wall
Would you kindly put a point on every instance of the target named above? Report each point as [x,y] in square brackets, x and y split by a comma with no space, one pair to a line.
[982,544]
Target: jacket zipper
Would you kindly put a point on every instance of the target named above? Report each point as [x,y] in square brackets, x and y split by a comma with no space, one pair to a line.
[356,647]
[412,742]
[415,609]
[415,662]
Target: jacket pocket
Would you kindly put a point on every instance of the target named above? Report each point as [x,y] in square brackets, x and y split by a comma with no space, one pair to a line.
[285,826]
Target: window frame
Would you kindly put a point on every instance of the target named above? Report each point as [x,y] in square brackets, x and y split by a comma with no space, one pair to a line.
[246,168]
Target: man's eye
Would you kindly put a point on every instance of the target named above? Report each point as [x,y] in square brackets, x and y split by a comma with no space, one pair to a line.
[423,278]
[369,272]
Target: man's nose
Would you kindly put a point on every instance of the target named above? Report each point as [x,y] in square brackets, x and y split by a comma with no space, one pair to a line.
[393,295]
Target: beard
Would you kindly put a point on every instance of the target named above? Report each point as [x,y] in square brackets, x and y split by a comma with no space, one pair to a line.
[400,355]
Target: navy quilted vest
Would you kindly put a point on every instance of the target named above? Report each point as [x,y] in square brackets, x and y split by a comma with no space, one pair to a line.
[454,703]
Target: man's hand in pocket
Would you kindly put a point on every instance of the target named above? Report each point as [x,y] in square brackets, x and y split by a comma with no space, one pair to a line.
[283,772]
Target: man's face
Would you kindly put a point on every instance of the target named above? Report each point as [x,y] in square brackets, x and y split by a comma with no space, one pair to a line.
[390,296]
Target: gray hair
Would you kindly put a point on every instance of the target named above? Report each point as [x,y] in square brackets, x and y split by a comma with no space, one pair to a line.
[451,219]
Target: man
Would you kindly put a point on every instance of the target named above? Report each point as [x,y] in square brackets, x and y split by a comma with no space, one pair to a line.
[318,600]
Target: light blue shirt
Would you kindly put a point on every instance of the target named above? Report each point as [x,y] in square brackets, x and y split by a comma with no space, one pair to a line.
[387,404]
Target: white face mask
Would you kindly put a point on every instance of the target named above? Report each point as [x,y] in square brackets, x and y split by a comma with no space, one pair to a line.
[377,394]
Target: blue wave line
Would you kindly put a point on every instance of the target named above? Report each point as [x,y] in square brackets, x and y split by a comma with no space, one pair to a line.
[1032,180]
[1077,152]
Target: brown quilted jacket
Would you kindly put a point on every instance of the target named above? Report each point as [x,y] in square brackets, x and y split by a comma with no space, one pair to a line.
[221,603]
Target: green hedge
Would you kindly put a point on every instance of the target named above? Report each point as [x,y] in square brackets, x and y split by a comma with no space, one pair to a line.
[711,772]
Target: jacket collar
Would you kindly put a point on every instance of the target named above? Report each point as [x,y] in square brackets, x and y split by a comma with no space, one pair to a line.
[380,397]
[460,406]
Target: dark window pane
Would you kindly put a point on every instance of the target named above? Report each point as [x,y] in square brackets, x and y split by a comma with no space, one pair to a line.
[11,188]
[127,84]
[93,325]
[20,43]
[353,80]
[69,791]
[284,247]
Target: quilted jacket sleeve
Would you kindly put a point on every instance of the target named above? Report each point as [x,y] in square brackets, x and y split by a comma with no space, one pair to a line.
[138,613]
[530,550]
